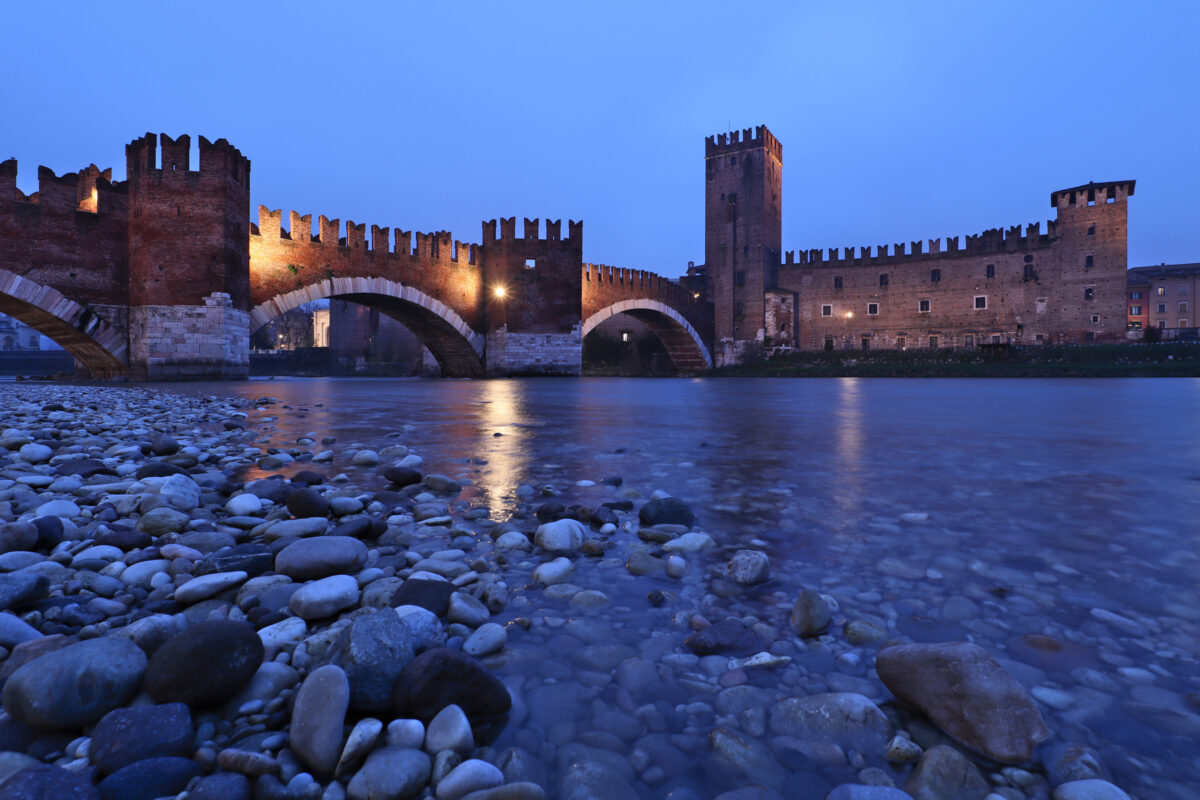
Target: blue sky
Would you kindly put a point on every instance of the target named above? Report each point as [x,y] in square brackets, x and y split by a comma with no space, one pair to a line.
[899,120]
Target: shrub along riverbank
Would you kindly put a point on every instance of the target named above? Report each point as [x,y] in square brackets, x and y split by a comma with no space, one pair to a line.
[1083,361]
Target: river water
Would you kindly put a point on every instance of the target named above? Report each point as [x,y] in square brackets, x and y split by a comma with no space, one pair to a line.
[1052,506]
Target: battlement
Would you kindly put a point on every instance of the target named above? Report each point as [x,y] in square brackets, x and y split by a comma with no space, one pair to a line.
[437,246]
[641,282]
[91,189]
[747,139]
[162,157]
[995,240]
[1092,194]
[508,231]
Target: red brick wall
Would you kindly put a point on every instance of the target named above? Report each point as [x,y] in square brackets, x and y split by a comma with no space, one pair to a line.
[603,286]
[540,276]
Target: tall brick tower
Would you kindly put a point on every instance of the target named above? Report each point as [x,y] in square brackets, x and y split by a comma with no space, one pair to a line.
[189,260]
[742,233]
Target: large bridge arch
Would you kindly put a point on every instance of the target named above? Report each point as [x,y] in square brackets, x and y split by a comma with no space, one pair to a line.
[687,350]
[458,349]
[99,346]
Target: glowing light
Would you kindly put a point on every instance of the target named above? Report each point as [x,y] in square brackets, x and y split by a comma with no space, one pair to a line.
[849,314]
[499,290]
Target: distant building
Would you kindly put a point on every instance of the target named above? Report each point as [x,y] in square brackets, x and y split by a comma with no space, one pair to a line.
[321,327]
[17,336]
[289,331]
[1163,297]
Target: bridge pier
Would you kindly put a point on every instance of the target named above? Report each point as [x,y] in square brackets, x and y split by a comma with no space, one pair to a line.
[510,353]
[178,342]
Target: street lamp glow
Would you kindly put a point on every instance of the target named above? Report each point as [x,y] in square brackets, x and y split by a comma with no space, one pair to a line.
[849,314]
[499,290]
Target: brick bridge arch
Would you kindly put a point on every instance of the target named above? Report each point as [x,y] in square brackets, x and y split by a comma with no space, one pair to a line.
[95,344]
[458,349]
[672,313]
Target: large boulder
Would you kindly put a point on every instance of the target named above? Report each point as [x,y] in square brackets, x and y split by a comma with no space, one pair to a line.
[667,511]
[967,694]
[321,557]
[317,719]
[66,689]
[440,677]
[204,664]
[126,735]
[373,651]
[844,718]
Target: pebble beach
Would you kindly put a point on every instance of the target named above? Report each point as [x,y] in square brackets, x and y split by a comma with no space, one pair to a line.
[190,609]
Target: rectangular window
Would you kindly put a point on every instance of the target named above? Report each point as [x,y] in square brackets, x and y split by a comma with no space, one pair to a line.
[991,270]
[969,340]
[837,281]
[901,342]
[1030,275]
[1095,318]
[873,308]
[1092,229]
[624,336]
[826,311]
[866,343]
[1183,323]
[883,279]
[1040,338]
[1162,323]
[935,276]
[1089,336]
[1040,305]
[981,301]
[1160,291]
[933,343]
[923,306]
[1089,261]
[1135,295]
[1162,308]
[995,338]
[745,249]
[1135,310]
[1183,308]
[739,278]
[828,342]
[1089,293]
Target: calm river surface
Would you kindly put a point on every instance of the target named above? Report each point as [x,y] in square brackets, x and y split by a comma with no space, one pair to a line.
[1052,506]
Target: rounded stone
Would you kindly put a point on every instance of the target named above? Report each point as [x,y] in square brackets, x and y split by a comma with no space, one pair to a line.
[561,536]
[35,453]
[449,730]
[204,664]
[307,503]
[245,504]
[162,520]
[1089,789]
[317,719]
[47,782]
[75,686]
[471,775]
[125,735]
[320,557]
[149,779]
[488,638]
[325,597]
[666,511]
[748,567]
[402,476]
[391,772]
[440,677]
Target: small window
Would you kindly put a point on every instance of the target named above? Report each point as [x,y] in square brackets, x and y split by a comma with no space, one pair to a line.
[1089,293]
[722,198]
[1040,338]
[1183,289]
[1089,336]
[995,338]
[745,249]
[923,306]
[1135,310]
[1030,274]
[981,301]
[1135,295]
[991,270]
[1072,200]
[933,343]
[1162,308]
[969,340]
[739,278]
[1183,323]
[935,276]
[828,342]
[1160,291]
[1092,229]
[624,336]
[837,281]
[826,311]
[866,343]
[1183,307]
[1162,324]
[902,342]
[1089,261]
[1095,318]
[733,198]
[733,161]
[873,308]
[531,263]
[883,279]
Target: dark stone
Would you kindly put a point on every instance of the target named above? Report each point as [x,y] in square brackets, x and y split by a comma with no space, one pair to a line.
[308,477]
[18,536]
[439,677]
[274,489]
[164,445]
[125,538]
[728,635]
[252,558]
[221,786]
[15,736]
[49,532]
[149,779]
[603,515]
[619,505]
[83,468]
[373,651]
[46,782]
[402,476]
[431,595]
[548,512]
[307,503]
[21,587]
[612,480]
[126,735]
[158,469]
[666,511]
[359,528]
[205,664]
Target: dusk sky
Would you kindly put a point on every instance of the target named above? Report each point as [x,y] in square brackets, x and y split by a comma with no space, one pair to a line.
[899,121]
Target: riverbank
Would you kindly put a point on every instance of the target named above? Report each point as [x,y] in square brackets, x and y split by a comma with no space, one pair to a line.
[642,655]
[1164,360]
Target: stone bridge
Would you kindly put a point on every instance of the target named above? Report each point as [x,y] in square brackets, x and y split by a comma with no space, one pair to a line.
[163,276]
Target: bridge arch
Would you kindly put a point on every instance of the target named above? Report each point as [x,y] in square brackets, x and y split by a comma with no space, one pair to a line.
[458,349]
[687,350]
[99,346]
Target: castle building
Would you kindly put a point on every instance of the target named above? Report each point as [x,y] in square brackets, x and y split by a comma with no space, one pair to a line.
[1018,285]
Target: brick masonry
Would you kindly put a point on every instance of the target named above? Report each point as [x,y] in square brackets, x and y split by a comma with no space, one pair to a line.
[512,353]
[190,342]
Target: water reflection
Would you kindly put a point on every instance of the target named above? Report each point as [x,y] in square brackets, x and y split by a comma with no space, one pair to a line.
[502,418]
[849,484]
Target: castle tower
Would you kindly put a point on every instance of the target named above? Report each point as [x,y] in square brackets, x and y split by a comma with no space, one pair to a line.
[189,260]
[742,233]
[1087,274]
[533,289]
